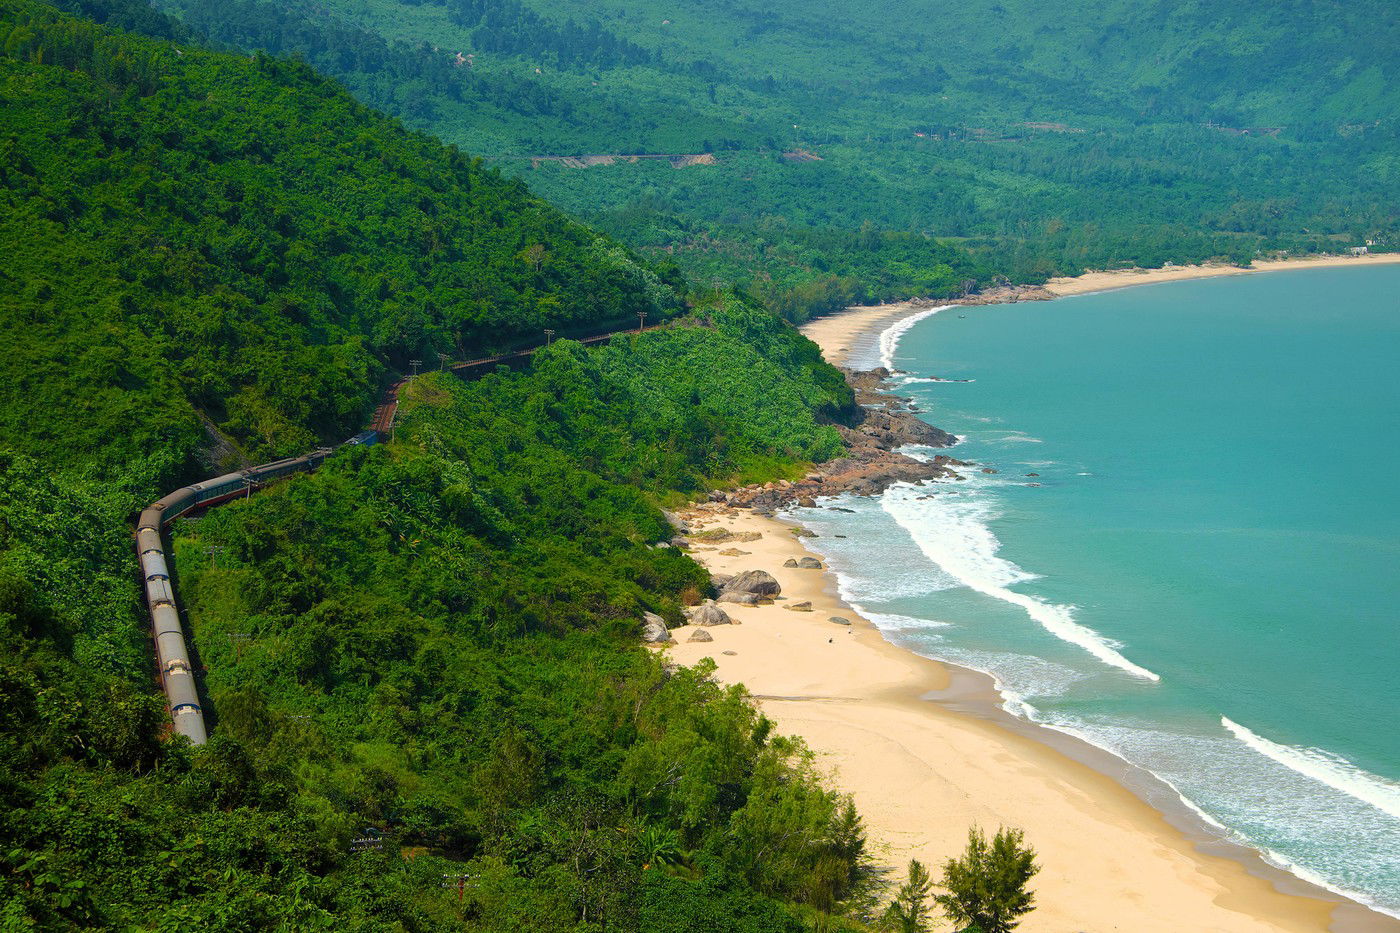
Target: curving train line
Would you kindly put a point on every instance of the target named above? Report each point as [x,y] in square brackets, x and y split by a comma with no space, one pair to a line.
[177,674]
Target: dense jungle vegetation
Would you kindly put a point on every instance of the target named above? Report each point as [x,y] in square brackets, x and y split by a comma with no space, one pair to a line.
[429,706]
[190,234]
[430,648]
[870,151]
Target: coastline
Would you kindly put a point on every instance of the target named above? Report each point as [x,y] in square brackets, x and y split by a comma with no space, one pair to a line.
[1105,281]
[927,750]
[855,332]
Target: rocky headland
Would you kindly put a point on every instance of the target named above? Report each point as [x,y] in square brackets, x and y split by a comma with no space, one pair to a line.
[885,423]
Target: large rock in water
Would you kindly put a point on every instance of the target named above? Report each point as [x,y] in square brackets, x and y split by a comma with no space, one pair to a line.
[707,613]
[654,628]
[759,582]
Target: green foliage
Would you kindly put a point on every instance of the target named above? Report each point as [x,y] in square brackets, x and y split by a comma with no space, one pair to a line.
[435,654]
[202,242]
[868,152]
[909,911]
[987,886]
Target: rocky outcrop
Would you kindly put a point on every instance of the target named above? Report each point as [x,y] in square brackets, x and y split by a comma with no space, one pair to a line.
[890,429]
[809,563]
[803,606]
[761,583]
[654,628]
[707,613]
[742,599]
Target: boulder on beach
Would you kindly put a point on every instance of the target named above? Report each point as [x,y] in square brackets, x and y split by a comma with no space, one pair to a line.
[840,620]
[700,635]
[742,599]
[810,563]
[803,606]
[733,552]
[758,582]
[654,628]
[707,613]
[790,562]
[720,579]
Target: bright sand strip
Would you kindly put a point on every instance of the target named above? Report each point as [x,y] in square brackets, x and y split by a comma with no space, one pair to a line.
[1103,281]
[858,329]
[921,774]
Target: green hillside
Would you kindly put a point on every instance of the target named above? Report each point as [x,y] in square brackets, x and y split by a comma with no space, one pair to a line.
[429,707]
[851,138]
[196,235]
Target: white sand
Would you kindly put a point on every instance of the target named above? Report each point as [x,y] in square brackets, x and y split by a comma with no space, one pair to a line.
[922,774]
[1103,281]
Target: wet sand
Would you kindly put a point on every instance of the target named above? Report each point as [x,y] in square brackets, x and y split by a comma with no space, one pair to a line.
[926,753]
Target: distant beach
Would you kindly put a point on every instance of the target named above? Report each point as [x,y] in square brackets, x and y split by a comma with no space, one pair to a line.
[1103,281]
[855,332]
[927,750]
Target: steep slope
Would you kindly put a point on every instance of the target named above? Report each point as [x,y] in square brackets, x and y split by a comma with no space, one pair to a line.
[429,709]
[1044,138]
[195,234]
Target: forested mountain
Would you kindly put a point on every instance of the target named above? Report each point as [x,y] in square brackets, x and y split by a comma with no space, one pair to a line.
[189,233]
[869,150]
[429,707]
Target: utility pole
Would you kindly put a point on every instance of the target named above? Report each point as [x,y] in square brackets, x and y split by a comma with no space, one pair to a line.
[214,550]
[237,641]
[442,361]
[415,364]
[248,484]
[548,336]
[641,321]
[460,882]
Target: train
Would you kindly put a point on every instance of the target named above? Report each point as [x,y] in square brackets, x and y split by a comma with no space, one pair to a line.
[177,675]
[172,652]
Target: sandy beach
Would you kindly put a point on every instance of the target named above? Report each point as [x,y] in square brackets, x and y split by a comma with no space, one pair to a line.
[922,773]
[926,752]
[1103,281]
[857,330]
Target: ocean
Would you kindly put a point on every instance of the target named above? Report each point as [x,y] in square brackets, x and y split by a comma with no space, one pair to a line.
[1188,552]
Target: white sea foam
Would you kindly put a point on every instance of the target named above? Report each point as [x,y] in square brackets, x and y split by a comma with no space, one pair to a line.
[1326,768]
[890,337]
[893,622]
[953,532]
[932,380]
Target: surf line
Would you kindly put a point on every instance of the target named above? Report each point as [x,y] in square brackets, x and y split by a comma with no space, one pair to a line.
[956,538]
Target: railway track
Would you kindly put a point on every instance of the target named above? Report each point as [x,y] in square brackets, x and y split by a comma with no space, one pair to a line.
[176,670]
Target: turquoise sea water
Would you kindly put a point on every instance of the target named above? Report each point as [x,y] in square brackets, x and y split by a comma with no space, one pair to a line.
[1206,578]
